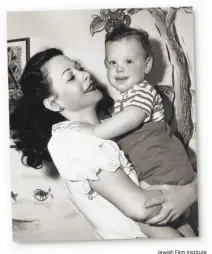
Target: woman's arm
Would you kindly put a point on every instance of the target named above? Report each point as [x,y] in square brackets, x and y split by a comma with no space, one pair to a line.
[175,201]
[122,192]
[121,123]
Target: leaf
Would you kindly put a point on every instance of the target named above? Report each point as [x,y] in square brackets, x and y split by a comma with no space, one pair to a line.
[133,11]
[94,16]
[97,25]
[105,13]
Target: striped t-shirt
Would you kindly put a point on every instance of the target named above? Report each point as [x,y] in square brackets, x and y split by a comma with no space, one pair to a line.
[145,97]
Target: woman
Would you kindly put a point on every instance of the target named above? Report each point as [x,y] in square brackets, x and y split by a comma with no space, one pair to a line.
[57,89]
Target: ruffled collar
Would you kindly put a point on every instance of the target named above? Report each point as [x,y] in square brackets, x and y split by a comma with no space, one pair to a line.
[60,126]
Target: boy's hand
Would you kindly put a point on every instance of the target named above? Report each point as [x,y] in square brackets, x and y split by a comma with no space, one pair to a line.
[82,127]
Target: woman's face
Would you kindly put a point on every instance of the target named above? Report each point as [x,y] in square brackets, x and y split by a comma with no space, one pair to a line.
[74,86]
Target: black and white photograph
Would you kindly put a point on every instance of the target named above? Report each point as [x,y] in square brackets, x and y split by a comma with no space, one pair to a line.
[102,124]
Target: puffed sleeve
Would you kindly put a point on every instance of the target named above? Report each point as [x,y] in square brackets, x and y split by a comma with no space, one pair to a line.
[81,157]
[142,97]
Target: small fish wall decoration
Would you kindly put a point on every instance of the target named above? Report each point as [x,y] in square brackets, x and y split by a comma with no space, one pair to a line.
[42,195]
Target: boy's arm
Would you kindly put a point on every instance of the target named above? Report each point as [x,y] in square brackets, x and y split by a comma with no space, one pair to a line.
[121,123]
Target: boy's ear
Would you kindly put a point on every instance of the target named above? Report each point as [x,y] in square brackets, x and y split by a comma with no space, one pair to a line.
[148,64]
[51,104]
[106,64]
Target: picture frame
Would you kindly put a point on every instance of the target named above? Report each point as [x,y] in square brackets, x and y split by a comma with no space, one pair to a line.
[18,53]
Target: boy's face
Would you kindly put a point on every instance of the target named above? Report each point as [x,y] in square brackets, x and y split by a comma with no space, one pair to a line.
[126,63]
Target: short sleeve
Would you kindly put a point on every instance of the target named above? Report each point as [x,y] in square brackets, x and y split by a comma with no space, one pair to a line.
[81,157]
[142,97]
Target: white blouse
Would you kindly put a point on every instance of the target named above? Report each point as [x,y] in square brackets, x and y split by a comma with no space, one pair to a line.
[80,157]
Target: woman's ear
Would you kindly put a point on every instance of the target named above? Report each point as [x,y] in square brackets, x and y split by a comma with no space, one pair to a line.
[52,105]
[148,64]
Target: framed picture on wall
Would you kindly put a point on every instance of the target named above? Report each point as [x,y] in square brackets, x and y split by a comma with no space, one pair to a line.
[18,53]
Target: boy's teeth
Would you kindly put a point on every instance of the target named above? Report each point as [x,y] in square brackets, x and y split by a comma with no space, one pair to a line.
[121,78]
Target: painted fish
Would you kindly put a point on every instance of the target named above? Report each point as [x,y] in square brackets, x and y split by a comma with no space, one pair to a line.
[42,195]
[14,196]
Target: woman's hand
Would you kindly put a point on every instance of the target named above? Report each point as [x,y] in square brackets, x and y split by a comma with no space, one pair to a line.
[175,201]
[82,127]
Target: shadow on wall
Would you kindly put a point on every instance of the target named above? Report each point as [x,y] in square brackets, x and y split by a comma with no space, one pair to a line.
[51,170]
[156,75]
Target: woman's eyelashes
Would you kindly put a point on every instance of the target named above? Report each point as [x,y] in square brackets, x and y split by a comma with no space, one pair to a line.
[71,77]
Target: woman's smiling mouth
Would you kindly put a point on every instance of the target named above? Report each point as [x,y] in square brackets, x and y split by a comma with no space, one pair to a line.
[90,88]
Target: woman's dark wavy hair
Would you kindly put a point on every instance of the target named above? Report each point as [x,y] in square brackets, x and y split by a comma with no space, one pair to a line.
[31,121]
